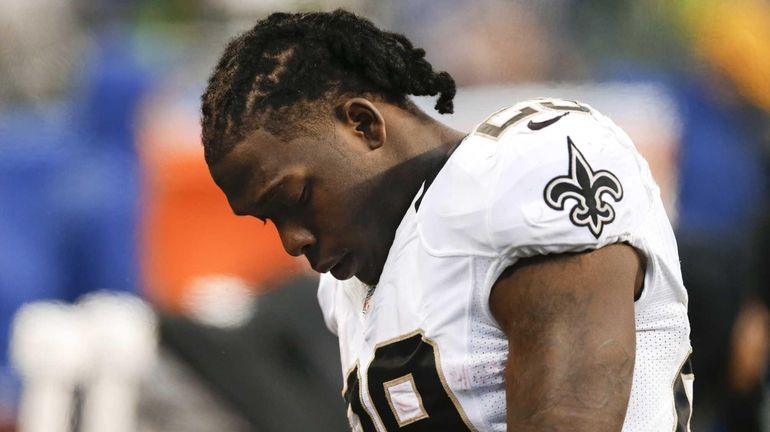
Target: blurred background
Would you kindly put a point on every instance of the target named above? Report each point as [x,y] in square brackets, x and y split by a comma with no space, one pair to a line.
[131,299]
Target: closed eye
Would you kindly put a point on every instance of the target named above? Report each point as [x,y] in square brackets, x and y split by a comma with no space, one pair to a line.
[304,197]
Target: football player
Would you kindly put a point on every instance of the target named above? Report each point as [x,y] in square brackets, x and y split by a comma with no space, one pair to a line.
[522,276]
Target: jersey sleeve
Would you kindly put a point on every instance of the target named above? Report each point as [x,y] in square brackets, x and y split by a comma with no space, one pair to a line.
[577,184]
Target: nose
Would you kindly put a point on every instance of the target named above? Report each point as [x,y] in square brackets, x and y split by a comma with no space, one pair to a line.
[295,238]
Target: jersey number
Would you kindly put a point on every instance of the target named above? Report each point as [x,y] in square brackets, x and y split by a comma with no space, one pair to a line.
[495,124]
[407,389]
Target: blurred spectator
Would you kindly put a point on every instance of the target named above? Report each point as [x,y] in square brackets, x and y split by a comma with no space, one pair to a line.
[492,41]
[70,174]
[85,82]
[41,50]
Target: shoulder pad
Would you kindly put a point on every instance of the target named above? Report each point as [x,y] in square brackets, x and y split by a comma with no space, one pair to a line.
[576,183]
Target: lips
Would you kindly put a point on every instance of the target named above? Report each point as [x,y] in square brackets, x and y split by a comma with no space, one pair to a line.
[327,265]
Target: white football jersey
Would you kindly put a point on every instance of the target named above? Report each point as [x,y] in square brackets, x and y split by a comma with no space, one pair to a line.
[547,176]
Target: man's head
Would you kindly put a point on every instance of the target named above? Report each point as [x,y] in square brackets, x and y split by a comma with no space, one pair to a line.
[304,123]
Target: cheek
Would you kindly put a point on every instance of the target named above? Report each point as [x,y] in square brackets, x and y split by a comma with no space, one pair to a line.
[338,212]
[343,199]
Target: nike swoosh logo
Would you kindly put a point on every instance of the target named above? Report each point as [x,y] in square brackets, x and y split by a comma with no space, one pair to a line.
[540,125]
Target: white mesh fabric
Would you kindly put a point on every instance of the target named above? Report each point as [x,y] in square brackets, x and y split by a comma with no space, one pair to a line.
[488,352]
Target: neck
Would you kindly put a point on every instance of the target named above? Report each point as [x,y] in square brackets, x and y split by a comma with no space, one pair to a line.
[427,136]
[423,144]
[422,147]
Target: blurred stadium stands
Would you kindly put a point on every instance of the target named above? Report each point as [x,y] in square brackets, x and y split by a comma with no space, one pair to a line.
[103,187]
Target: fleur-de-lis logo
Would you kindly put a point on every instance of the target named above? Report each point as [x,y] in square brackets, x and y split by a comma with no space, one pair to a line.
[587,187]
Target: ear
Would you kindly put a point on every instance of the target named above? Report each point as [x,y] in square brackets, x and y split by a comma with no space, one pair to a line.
[365,120]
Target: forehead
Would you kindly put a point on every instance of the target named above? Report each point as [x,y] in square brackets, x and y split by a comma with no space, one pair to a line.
[253,163]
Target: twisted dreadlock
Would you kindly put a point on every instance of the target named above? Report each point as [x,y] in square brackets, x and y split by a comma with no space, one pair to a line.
[289,60]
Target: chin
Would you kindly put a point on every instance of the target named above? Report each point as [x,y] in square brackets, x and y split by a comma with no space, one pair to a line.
[368,278]
[370,282]
[364,272]
[341,277]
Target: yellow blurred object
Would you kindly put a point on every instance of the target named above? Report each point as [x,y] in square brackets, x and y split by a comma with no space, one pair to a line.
[734,36]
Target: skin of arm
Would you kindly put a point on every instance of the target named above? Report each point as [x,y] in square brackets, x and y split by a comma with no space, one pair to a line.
[569,320]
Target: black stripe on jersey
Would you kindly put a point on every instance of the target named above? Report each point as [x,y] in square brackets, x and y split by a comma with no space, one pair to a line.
[436,170]
[352,395]
[682,403]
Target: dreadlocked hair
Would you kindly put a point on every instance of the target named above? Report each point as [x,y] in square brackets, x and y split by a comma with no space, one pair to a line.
[287,61]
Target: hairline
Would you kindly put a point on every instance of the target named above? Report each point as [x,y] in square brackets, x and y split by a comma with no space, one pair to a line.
[269,118]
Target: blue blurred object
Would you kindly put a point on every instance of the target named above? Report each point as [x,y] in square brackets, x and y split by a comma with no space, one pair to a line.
[721,163]
[722,197]
[31,153]
[69,192]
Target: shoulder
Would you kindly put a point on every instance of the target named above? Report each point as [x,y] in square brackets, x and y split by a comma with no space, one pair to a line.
[542,176]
